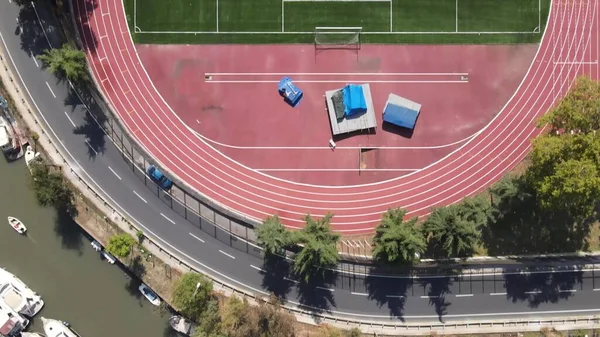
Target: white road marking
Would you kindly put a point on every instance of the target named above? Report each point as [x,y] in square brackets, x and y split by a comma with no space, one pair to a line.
[35,61]
[597,289]
[229,255]
[327,289]
[359,294]
[164,216]
[567,291]
[259,269]
[195,237]
[113,171]
[498,294]
[91,147]
[52,92]
[394,296]
[289,279]
[70,120]
[429,297]
[533,292]
[139,196]
[464,295]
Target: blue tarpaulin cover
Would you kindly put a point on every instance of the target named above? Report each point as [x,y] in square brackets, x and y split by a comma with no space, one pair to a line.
[400,116]
[354,100]
[290,92]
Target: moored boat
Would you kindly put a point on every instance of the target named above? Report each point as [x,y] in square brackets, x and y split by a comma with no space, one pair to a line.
[17,225]
[182,325]
[56,328]
[31,334]
[16,295]
[149,294]
[30,156]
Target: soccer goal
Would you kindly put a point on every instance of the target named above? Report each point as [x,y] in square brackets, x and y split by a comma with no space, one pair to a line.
[337,38]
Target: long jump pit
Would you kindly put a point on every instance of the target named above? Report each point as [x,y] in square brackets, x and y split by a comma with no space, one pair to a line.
[228,95]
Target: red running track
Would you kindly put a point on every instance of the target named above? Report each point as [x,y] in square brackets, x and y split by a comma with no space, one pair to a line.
[569,48]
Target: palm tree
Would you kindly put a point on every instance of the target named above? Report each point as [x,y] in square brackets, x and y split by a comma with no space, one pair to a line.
[65,62]
[397,241]
[319,248]
[272,236]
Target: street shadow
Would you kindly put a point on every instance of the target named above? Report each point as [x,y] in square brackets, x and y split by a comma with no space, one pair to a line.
[539,288]
[70,233]
[94,119]
[33,40]
[83,11]
[314,295]
[400,131]
[389,291]
[276,272]
[436,289]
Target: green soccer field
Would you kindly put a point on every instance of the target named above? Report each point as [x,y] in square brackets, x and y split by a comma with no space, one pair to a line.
[294,21]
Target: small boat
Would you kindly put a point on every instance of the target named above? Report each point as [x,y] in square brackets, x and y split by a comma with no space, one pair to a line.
[107,256]
[56,328]
[182,325]
[31,334]
[30,156]
[149,294]
[17,225]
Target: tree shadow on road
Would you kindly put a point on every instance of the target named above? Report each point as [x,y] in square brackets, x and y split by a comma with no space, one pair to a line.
[389,291]
[276,272]
[315,295]
[437,289]
[536,289]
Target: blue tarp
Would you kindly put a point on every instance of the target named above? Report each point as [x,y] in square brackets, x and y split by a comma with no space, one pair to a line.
[289,91]
[354,100]
[400,116]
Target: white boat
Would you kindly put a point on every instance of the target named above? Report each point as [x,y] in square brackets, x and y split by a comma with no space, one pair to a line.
[17,225]
[149,294]
[56,328]
[31,334]
[182,325]
[11,323]
[107,256]
[30,156]
[16,295]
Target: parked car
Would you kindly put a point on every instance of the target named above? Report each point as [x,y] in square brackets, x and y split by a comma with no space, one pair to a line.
[159,178]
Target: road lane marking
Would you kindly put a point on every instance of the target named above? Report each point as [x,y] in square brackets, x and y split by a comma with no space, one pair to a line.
[326,289]
[195,237]
[464,295]
[430,297]
[359,294]
[52,92]
[498,294]
[91,147]
[35,61]
[533,292]
[70,120]
[291,280]
[567,291]
[139,196]
[259,269]
[229,255]
[164,216]
[597,289]
[394,296]
[113,171]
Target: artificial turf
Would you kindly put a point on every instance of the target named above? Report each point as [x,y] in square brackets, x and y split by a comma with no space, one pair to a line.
[293,21]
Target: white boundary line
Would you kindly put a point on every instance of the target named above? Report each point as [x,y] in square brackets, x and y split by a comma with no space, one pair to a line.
[308,33]
[282,16]
[456,15]
[217,5]
[391,17]
[336,74]
[336,81]
[335,170]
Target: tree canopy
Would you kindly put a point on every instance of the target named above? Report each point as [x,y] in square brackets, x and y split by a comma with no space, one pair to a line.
[192,294]
[273,236]
[396,240]
[50,186]
[120,245]
[65,62]
[319,247]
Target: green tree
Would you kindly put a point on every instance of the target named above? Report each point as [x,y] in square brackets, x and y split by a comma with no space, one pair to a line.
[273,322]
[120,245]
[50,186]
[456,229]
[318,247]
[396,240]
[209,323]
[354,332]
[192,294]
[65,62]
[272,236]
[238,319]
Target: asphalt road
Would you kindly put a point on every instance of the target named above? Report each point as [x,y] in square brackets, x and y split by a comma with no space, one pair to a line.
[425,299]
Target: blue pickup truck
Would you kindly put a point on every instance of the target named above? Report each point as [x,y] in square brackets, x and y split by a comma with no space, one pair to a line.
[159,178]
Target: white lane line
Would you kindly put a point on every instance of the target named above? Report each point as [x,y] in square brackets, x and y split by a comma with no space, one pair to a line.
[70,120]
[394,296]
[567,291]
[195,237]
[428,297]
[52,92]
[533,292]
[327,289]
[139,196]
[35,61]
[164,216]
[598,289]
[359,294]
[291,280]
[464,295]
[229,255]
[91,147]
[113,171]
[259,269]
[498,294]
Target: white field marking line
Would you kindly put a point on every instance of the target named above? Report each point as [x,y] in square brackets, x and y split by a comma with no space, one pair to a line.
[336,74]
[338,1]
[228,255]
[134,13]
[464,295]
[498,294]
[257,268]
[456,15]
[210,32]
[359,294]
[333,170]
[52,92]
[391,17]
[333,81]
[195,237]
[217,16]
[115,173]
[164,216]
[326,289]
[578,62]
[139,196]
[291,280]
[70,120]
[282,16]
[91,147]
[240,283]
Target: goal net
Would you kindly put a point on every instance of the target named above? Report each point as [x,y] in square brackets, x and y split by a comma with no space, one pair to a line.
[337,37]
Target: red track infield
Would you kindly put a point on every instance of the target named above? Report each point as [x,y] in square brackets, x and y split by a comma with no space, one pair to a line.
[568,49]
[239,112]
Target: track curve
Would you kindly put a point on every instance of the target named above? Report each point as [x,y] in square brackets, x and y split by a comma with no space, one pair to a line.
[569,48]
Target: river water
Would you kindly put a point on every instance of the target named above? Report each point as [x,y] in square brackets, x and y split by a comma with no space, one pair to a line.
[57,261]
